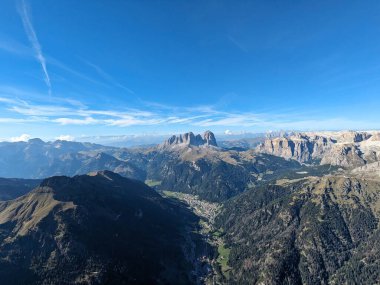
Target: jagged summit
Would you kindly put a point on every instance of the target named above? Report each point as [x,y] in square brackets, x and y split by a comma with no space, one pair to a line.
[189,139]
[209,138]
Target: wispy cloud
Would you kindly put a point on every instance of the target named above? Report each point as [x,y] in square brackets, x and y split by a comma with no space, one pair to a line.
[104,79]
[32,37]
[14,47]
[76,113]
[237,43]
[104,75]
[64,67]
[80,121]
[14,120]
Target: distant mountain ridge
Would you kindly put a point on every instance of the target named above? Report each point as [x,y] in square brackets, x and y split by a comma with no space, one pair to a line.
[185,163]
[347,148]
[38,159]
[13,188]
[300,208]
[146,140]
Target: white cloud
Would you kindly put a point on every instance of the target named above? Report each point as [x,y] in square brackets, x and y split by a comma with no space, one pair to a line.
[231,119]
[65,138]
[7,100]
[32,37]
[22,138]
[71,121]
[132,121]
[228,132]
[12,120]
[62,111]
[40,110]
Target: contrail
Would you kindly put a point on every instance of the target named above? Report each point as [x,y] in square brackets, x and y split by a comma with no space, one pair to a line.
[106,76]
[32,37]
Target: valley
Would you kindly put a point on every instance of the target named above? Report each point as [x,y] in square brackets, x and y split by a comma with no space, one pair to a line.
[189,142]
[223,216]
[217,262]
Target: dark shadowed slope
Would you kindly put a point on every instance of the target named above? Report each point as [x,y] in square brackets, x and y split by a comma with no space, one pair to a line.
[12,188]
[314,231]
[92,229]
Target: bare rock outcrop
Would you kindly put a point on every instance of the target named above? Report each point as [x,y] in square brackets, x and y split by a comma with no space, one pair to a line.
[209,138]
[354,137]
[299,147]
[345,155]
[189,139]
[348,149]
[371,170]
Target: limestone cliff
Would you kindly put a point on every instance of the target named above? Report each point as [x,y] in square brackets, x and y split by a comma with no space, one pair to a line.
[189,139]
[347,149]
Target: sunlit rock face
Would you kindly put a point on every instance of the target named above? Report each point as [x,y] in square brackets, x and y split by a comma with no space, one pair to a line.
[347,149]
[189,139]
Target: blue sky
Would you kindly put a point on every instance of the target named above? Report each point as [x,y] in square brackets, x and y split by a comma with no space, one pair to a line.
[91,68]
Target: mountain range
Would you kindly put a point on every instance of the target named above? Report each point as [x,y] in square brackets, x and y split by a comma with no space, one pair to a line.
[347,149]
[292,208]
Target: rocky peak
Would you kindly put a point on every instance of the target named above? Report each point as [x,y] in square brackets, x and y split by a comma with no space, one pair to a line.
[347,149]
[354,137]
[189,139]
[36,141]
[209,138]
[104,174]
